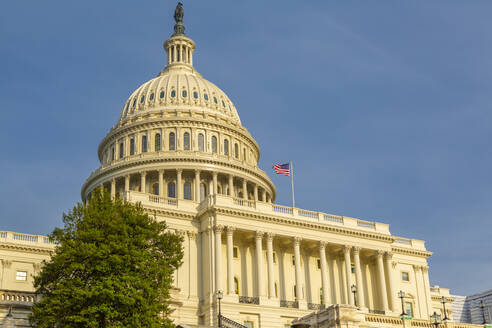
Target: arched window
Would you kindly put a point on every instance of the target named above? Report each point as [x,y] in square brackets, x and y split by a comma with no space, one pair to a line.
[112,154]
[236,286]
[203,191]
[132,146]
[155,189]
[144,144]
[172,141]
[158,142]
[236,151]
[219,188]
[226,147]
[122,150]
[201,142]
[186,141]
[187,190]
[214,144]
[171,190]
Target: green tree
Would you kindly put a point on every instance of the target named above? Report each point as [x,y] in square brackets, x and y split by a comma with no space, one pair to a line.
[112,267]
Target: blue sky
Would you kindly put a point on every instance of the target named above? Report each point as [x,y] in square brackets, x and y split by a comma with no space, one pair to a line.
[383,106]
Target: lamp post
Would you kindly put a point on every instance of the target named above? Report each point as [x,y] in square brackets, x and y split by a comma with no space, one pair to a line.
[435,319]
[401,295]
[353,288]
[219,316]
[443,301]
[483,312]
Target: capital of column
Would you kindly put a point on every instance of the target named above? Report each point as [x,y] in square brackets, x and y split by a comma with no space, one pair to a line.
[161,171]
[296,240]
[424,268]
[380,253]
[356,250]
[192,235]
[218,228]
[259,234]
[347,248]
[388,256]
[417,267]
[230,230]
[179,170]
[322,245]
[215,174]
[270,236]
[143,173]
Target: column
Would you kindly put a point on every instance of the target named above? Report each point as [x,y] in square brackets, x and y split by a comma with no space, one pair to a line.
[113,188]
[382,281]
[231,186]
[358,278]
[324,273]
[245,189]
[259,262]
[142,181]
[178,183]
[214,179]
[263,195]
[127,183]
[425,274]
[218,257]
[230,275]
[197,185]
[174,54]
[161,183]
[297,260]
[419,282]
[348,273]
[271,278]
[388,257]
[256,192]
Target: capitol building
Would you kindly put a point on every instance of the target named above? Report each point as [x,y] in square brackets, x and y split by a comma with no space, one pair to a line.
[178,147]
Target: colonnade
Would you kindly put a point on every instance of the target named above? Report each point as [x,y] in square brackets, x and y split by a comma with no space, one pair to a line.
[226,184]
[351,254]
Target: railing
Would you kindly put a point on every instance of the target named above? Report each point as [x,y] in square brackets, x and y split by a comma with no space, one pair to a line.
[308,214]
[24,237]
[3,234]
[314,306]
[403,241]
[243,202]
[163,200]
[333,218]
[282,209]
[228,323]
[12,296]
[289,304]
[249,300]
[366,224]
[47,240]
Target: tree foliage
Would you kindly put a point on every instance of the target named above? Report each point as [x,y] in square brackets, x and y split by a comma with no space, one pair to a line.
[112,267]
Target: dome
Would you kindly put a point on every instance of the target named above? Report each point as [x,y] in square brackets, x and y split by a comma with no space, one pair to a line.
[178,88]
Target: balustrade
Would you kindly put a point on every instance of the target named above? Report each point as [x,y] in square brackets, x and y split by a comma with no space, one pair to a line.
[249,300]
[289,304]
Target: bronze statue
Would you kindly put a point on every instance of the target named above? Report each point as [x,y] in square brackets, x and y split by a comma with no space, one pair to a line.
[179,13]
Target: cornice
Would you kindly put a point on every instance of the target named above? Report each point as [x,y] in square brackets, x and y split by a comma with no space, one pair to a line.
[26,248]
[297,223]
[409,251]
[135,162]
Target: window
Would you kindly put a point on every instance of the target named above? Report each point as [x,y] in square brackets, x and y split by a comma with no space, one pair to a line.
[293,260]
[172,141]
[184,93]
[235,252]
[132,146]
[171,190]
[205,96]
[112,153]
[236,151]
[249,324]
[187,191]
[274,257]
[158,142]
[186,141]
[201,142]
[173,93]
[295,292]
[134,102]
[144,144]
[162,94]
[203,191]
[142,99]
[276,289]
[223,104]
[152,96]
[195,94]
[215,99]
[409,309]
[318,263]
[155,189]
[236,285]
[214,144]
[352,268]
[404,276]
[226,147]
[21,276]
[122,150]
[244,154]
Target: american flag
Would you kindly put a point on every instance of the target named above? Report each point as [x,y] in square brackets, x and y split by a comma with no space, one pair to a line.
[282,169]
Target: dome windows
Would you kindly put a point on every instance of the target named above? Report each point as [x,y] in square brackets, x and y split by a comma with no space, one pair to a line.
[215,100]
[142,99]
[158,142]
[187,191]
[172,141]
[134,103]
[171,190]
[195,94]
[214,144]
[186,141]
[184,93]
[151,96]
[173,94]
[205,96]
[223,103]
[132,146]
[226,147]
[144,144]
[162,94]
[201,142]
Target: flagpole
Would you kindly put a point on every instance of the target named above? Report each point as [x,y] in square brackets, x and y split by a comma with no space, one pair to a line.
[292,183]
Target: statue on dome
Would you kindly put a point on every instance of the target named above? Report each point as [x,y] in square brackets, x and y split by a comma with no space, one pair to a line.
[179,13]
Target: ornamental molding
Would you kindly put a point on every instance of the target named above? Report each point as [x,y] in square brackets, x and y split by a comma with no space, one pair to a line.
[412,252]
[302,224]
[27,249]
